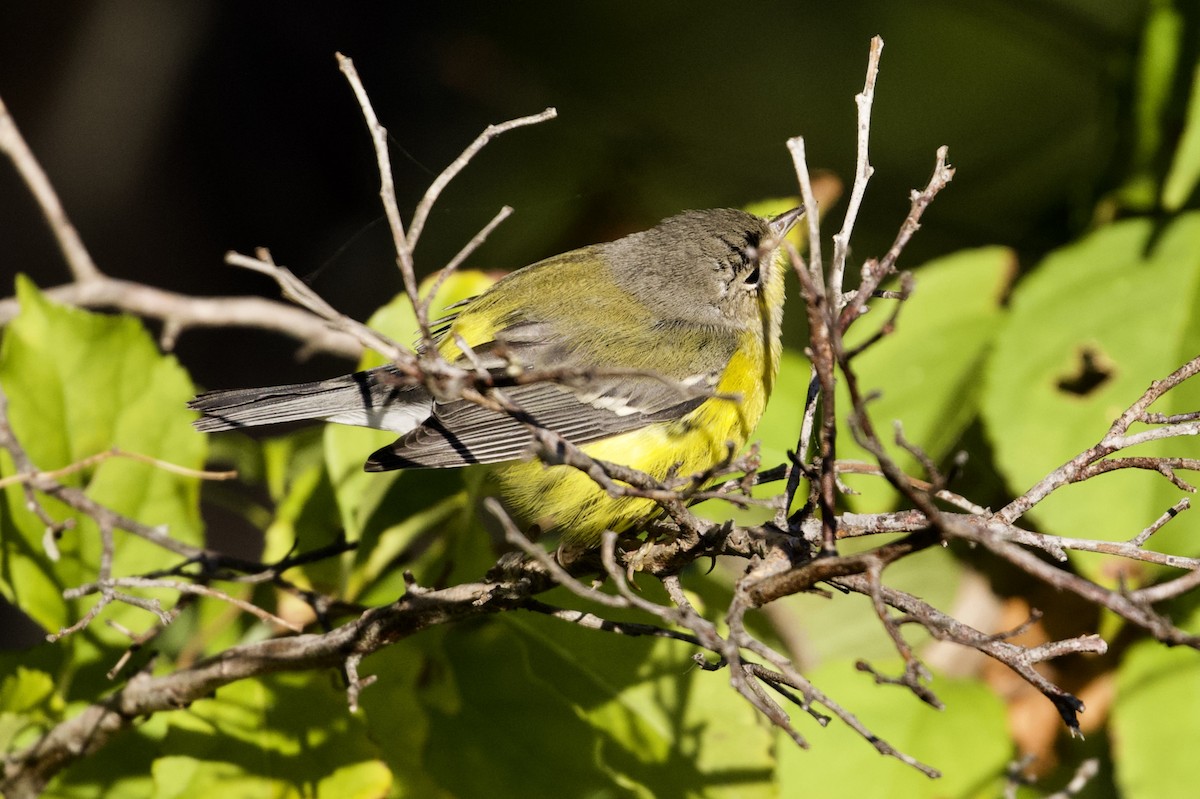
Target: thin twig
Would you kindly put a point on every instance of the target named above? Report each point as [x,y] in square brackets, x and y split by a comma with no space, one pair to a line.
[13,144]
[816,268]
[115,452]
[862,175]
[462,255]
[181,312]
[387,188]
[299,292]
[449,173]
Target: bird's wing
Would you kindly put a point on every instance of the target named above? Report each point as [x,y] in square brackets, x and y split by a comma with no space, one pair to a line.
[580,409]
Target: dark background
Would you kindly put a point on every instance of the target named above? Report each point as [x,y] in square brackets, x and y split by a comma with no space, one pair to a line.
[177,131]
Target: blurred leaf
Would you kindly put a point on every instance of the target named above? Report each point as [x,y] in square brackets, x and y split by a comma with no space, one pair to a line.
[306,514]
[29,703]
[780,205]
[1162,38]
[615,716]
[285,735]
[1087,332]
[122,771]
[968,741]
[1157,706]
[78,384]
[1185,168]
[25,689]
[386,512]
[927,371]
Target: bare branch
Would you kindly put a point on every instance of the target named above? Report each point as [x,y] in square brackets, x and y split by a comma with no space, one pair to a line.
[449,173]
[812,214]
[862,175]
[89,462]
[1088,462]
[299,292]
[462,255]
[13,145]
[387,187]
[180,312]
[27,771]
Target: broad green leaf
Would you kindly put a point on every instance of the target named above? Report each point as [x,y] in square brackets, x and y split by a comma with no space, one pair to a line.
[928,372]
[488,708]
[1157,707]
[1185,168]
[285,735]
[29,704]
[79,384]
[968,741]
[607,715]
[1087,332]
[28,578]
[306,514]
[664,725]
[413,681]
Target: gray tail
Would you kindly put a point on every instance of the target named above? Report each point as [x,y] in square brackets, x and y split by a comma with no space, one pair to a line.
[376,398]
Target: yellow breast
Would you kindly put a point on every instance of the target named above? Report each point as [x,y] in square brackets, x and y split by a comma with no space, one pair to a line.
[564,499]
[567,500]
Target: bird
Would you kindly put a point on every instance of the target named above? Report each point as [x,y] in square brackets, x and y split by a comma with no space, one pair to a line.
[669,341]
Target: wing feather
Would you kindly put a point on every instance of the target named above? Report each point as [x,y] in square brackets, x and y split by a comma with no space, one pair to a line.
[460,432]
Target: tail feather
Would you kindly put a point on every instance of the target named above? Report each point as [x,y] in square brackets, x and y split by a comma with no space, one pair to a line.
[373,398]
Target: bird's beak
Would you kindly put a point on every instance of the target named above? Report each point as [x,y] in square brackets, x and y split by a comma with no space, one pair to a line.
[780,225]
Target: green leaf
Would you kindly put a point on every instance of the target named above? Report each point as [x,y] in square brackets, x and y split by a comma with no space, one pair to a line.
[968,741]
[29,704]
[664,726]
[1157,706]
[1162,39]
[286,735]
[79,384]
[615,716]
[928,371]
[1087,332]
[306,514]
[1185,168]
[386,512]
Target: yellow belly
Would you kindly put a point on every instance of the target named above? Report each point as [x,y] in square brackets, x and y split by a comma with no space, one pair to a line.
[566,500]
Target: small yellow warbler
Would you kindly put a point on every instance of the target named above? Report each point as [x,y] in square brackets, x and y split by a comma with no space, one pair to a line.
[687,312]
